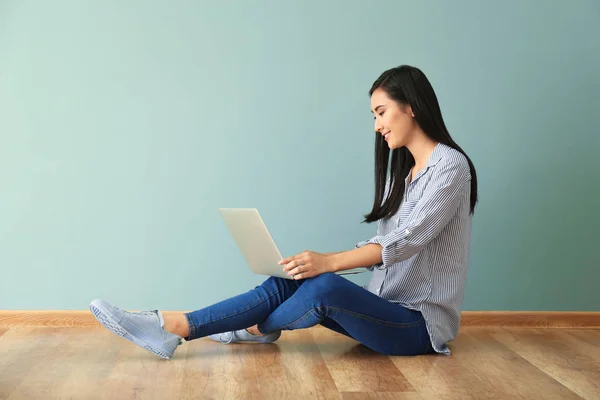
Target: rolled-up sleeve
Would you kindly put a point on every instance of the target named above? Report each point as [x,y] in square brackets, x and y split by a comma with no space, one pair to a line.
[438,204]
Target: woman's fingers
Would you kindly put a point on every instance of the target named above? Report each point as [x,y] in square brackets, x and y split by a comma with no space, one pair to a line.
[295,267]
[295,262]
[289,265]
[286,260]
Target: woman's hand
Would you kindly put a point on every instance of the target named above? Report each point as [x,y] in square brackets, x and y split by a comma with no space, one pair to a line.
[307,264]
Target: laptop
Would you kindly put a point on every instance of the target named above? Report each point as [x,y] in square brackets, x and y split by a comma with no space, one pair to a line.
[256,244]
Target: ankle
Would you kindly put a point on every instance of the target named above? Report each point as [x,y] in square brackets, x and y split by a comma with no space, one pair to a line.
[177,324]
[253,330]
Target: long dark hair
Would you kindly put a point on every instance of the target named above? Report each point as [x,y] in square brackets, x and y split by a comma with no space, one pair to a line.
[408,85]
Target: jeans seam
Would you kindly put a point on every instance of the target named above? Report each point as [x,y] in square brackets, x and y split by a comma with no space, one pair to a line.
[361,316]
[379,321]
[194,327]
[298,320]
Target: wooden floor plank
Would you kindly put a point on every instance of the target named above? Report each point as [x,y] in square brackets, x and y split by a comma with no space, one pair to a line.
[478,367]
[136,373]
[214,370]
[48,362]
[17,358]
[491,363]
[591,337]
[381,396]
[356,368]
[92,353]
[294,365]
[290,368]
[551,351]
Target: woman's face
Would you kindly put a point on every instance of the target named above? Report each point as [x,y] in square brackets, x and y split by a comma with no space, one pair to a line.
[393,121]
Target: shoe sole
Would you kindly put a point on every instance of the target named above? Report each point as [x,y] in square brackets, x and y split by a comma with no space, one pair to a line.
[108,321]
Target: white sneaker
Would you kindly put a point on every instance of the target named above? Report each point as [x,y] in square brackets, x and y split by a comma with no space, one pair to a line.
[243,335]
[144,328]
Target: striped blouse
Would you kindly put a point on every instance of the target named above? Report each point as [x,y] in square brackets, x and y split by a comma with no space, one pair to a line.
[426,245]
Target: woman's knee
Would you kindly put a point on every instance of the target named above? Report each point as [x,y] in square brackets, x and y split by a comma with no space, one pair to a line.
[324,278]
[282,285]
[323,283]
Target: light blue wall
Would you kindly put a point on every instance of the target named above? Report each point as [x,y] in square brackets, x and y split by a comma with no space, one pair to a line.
[125,125]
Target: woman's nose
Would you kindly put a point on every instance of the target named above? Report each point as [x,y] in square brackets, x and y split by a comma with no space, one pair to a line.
[377,127]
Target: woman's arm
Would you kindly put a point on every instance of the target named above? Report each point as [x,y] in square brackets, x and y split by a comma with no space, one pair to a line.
[449,182]
[362,257]
[313,263]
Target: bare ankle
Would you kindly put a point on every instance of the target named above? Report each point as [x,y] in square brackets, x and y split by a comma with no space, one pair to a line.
[254,330]
[177,324]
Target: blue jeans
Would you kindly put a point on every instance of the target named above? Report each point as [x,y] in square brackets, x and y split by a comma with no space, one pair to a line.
[327,299]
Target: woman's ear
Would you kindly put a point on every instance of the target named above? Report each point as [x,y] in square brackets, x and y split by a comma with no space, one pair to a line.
[407,109]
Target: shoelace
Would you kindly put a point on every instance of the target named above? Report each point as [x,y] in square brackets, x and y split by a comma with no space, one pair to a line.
[149,313]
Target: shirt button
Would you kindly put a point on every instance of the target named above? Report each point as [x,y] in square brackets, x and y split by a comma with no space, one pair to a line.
[406,232]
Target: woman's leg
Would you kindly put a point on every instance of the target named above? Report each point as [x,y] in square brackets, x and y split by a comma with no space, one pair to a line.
[242,311]
[334,326]
[179,324]
[161,334]
[383,326]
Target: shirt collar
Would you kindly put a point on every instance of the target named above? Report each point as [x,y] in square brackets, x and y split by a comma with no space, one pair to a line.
[438,152]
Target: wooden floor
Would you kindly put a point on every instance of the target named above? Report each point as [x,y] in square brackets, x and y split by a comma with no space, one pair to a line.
[487,363]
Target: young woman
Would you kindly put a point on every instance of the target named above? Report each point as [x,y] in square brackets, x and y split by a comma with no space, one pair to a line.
[418,258]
